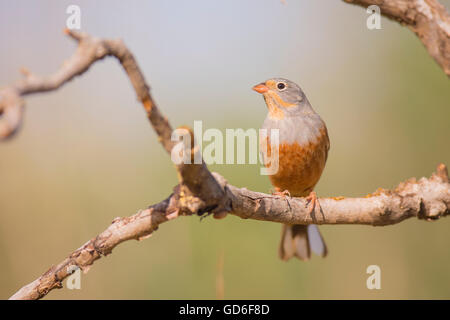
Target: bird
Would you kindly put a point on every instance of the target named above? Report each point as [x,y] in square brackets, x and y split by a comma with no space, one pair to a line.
[302,153]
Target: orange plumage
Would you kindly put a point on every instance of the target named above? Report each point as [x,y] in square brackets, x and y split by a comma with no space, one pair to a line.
[300,167]
[302,153]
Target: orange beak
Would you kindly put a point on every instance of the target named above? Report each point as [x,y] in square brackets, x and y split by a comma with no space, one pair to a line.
[261,88]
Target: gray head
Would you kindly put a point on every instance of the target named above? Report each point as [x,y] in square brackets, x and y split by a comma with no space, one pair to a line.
[283,96]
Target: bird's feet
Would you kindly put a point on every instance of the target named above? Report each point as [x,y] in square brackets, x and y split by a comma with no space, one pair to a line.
[283,194]
[312,202]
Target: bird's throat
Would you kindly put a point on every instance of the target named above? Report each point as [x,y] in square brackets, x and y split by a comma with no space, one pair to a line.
[275,112]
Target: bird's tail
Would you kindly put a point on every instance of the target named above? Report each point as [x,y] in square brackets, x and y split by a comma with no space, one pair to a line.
[298,240]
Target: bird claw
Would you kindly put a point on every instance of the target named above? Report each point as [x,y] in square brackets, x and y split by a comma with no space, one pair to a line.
[314,201]
[283,194]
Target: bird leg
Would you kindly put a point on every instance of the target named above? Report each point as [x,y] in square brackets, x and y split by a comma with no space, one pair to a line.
[283,194]
[313,201]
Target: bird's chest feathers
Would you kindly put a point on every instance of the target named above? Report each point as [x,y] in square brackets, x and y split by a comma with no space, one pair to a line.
[302,152]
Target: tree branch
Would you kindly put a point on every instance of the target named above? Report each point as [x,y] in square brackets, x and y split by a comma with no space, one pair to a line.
[427,199]
[138,226]
[195,177]
[199,191]
[428,19]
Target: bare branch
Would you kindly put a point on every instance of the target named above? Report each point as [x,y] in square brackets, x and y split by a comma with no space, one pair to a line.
[138,226]
[196,178]
[427,199]
[428,19]
[200,191]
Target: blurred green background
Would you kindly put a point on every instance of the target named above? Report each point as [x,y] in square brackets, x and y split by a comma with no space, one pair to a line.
[86,153]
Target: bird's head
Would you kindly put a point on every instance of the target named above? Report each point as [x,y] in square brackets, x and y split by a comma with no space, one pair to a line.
[283,97]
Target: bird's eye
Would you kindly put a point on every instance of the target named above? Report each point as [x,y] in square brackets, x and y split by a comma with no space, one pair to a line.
[281,86]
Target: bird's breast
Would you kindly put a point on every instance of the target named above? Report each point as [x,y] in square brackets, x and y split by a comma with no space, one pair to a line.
[302,152]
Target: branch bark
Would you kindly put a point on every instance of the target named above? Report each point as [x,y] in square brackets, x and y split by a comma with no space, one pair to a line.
[428,19]
[199,191]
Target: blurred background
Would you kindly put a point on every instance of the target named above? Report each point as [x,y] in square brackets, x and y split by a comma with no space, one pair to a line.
[86,153]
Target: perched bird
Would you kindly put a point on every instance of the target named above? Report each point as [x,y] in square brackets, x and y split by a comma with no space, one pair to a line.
[303,150]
